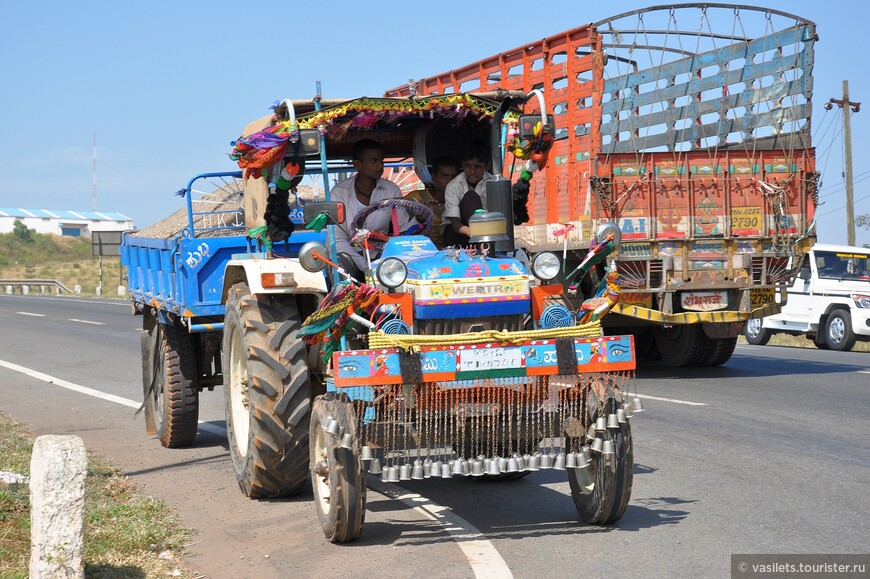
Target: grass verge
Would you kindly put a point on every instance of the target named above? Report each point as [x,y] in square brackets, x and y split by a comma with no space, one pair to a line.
[127,534]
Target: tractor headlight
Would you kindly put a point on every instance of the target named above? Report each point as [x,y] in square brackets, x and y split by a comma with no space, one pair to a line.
[546,266]
[392,273]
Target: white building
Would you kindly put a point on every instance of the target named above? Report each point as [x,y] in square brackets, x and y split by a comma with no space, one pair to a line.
[70,223]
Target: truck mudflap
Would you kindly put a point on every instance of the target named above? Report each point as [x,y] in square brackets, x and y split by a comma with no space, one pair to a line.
[453,363]
[658,317]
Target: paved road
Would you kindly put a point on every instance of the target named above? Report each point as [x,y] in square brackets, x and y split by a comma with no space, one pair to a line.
[769,453]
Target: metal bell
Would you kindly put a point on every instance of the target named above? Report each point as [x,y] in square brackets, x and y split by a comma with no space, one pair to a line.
[628,411]
[417,471]
[532,463]
[587,454]
[612,422]
[445,470]
[581,460]
[636,405]
[476,468]
[466,468]
[512,465]
[502,463]
[435,468]
[375,467]
[590,434]
[405,472]
[521,462]
[366,453]
[486,462]
[570,460]
[620,416]
[427,468]
[385,474]
[546,461]
[560,462]
[601,424]
[347,440]
[394,474]
[457,467]
[597,445]
[331,426]
[608,448]
[493,467]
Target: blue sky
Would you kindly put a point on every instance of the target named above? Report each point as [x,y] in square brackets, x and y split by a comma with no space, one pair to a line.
[167,85]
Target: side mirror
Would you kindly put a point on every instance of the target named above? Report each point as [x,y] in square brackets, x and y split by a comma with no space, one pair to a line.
[310,254]
[529,122]
[333,209]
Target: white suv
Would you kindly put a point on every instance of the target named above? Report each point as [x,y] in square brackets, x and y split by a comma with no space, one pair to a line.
[829,301]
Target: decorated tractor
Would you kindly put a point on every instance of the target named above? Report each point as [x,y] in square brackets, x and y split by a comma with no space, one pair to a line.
[474,360]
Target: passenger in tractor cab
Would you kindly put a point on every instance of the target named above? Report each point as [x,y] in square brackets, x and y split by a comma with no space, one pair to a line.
[466,194]
[357,193]
[444,170]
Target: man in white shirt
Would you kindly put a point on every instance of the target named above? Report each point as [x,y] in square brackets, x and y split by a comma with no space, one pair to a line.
[357,193]
[464,194]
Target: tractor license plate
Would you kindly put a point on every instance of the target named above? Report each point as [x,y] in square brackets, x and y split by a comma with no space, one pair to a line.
[704,301]
[761,297]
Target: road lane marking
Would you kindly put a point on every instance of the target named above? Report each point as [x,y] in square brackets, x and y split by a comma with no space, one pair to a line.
[30,314]
[86,322]
[95,393]
[673,400]
[864,371]
[483,558]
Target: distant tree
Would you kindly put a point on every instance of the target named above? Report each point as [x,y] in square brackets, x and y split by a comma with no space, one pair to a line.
[21,231]
[863,221]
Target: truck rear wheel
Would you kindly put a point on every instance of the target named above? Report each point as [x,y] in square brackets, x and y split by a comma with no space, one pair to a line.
[336,472]
[680,345]
[838,331]
[601,493]
[721,350]
[174,397]
[267,392]
[755,333]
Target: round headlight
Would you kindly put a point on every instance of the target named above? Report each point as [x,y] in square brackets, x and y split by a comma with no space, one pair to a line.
[392,272]
[546,266]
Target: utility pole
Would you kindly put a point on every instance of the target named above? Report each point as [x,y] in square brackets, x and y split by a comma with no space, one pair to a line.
[848,107]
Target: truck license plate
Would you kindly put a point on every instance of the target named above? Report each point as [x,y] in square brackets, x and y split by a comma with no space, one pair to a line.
[761,297]
[704,301]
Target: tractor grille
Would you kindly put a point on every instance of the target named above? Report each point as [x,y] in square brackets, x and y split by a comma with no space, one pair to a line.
[446,327]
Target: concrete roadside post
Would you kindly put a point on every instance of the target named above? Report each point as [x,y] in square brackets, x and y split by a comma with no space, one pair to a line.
[58,467]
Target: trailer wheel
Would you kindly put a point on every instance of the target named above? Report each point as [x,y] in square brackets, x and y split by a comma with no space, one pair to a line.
[720,351]
[680,345]
[336,472]
[754,332]
[602,490]
[838,331]
[267,392]
[173,397]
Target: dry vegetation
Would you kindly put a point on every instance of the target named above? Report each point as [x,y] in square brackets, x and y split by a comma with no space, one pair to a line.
[127,534]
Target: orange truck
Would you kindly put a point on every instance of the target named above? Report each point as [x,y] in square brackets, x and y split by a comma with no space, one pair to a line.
[688,126]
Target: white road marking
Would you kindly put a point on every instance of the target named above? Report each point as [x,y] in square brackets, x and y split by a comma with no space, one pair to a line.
[674,400]
[864,371]
[483,558]
[86,322]
[31,314]
[95,393]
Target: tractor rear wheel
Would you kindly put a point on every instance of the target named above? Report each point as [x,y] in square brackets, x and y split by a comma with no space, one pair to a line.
[172,398]
[267,391]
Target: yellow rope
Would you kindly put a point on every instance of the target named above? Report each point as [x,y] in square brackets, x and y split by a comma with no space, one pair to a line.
[413,343]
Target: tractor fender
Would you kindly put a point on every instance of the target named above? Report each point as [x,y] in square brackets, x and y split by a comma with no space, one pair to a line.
[252,270]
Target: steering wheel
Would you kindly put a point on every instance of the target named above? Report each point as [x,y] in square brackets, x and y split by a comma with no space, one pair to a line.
[413,207]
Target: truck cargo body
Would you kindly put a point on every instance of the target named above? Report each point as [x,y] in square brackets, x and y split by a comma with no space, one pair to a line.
[703,157]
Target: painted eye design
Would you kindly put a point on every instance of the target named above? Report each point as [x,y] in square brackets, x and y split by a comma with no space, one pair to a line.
[617,351]
[349,367]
